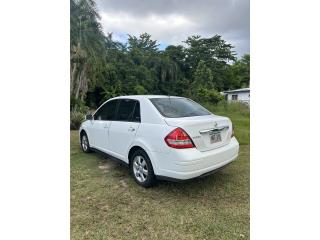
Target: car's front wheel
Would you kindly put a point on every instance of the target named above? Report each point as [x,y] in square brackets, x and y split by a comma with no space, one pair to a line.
[141,169]
[85,143]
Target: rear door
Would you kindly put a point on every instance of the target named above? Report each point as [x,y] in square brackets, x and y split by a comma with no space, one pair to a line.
[123,129]
[101,123]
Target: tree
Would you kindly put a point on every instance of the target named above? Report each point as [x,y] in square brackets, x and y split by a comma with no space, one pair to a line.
[203,76]
[143,43]
[203,85]
[87,47]
[176,54]
[239,73]
[214,51]
[101,67]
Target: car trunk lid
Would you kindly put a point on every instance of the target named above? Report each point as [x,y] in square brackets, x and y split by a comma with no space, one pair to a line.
[208,132]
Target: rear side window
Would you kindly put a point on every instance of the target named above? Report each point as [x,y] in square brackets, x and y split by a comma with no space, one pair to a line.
[126,110]
[107,111]
[178,107]
[136,113]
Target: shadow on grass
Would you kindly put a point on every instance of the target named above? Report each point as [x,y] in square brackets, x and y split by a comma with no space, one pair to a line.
[220,182]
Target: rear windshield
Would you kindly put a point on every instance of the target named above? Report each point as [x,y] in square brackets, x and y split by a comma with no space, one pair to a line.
[178,107]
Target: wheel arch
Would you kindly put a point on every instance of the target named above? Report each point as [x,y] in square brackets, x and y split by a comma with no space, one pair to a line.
[82,131]
[133,149]
[150,154]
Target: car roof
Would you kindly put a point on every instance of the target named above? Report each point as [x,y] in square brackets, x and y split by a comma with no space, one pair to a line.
[145,96]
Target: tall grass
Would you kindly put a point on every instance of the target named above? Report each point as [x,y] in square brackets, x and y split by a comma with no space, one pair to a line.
[76,118]
[233,108]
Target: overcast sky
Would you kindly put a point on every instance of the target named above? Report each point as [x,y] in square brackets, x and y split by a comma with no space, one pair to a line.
[172,21]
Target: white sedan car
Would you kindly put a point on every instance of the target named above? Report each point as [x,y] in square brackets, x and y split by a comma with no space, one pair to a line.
[160,137]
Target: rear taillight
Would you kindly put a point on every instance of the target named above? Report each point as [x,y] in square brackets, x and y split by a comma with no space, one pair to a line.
[178,138]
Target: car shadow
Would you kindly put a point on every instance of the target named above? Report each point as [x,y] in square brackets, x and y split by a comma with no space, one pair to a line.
[217,181]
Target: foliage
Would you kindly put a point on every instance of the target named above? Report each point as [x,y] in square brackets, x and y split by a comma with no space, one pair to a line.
[102,68]
[203,76]
[140,90]
[239,73]
[214,51]
[208,95]
[76,118]
[143,43]
[87,56]
[78,105]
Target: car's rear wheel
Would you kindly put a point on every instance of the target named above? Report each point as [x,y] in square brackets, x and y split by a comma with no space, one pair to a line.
[85,143]
[141,169]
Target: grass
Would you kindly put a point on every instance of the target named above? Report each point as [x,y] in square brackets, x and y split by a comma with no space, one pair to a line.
[106,203]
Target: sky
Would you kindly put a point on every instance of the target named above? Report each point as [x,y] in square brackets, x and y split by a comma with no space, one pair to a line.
[172,21]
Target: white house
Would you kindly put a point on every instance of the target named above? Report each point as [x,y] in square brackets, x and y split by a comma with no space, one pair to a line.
[240,95]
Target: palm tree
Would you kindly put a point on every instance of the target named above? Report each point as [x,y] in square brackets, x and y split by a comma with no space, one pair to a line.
[87,50]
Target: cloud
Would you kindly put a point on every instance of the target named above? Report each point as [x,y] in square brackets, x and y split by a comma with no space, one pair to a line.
[172,21]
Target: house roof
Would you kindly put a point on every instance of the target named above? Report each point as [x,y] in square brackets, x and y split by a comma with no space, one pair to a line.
[238,90]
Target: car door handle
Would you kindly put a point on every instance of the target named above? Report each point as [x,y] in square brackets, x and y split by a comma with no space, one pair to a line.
[131,129]
[105,126]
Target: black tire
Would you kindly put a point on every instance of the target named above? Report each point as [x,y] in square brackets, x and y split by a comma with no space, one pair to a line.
[85,146]
[143,178]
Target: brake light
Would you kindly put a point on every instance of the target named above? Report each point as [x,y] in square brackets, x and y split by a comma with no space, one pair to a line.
[178,138]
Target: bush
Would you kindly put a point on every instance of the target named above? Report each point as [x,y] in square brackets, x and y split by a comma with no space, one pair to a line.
[209,95]
[140,90]
[78,105]
[76,118]
[214,96]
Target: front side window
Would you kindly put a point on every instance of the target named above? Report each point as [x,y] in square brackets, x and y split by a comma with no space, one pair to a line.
[178,107]
[107,112]
[126,109]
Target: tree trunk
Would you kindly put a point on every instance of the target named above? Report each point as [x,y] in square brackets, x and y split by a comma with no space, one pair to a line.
[78,85]
[73,77]
[82,83]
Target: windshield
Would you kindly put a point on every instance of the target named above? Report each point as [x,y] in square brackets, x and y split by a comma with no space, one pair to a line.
[178,107]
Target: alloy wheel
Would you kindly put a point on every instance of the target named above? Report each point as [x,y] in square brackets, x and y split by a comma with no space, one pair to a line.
[84,143]
[140,168]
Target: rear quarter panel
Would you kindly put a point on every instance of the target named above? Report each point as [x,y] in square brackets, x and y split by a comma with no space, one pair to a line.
[150,137]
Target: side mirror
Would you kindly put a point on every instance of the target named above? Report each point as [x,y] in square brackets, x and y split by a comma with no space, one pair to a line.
[89,117]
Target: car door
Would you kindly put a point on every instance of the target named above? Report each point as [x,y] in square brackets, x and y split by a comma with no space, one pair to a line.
[124,128]
[102,120]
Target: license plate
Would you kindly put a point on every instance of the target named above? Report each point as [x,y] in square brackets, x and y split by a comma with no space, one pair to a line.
[215,137]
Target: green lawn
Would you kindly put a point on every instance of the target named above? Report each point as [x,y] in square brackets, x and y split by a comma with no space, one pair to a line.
[106,203]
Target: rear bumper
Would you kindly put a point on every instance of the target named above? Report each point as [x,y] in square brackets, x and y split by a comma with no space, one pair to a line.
[190,163]
[202,175]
